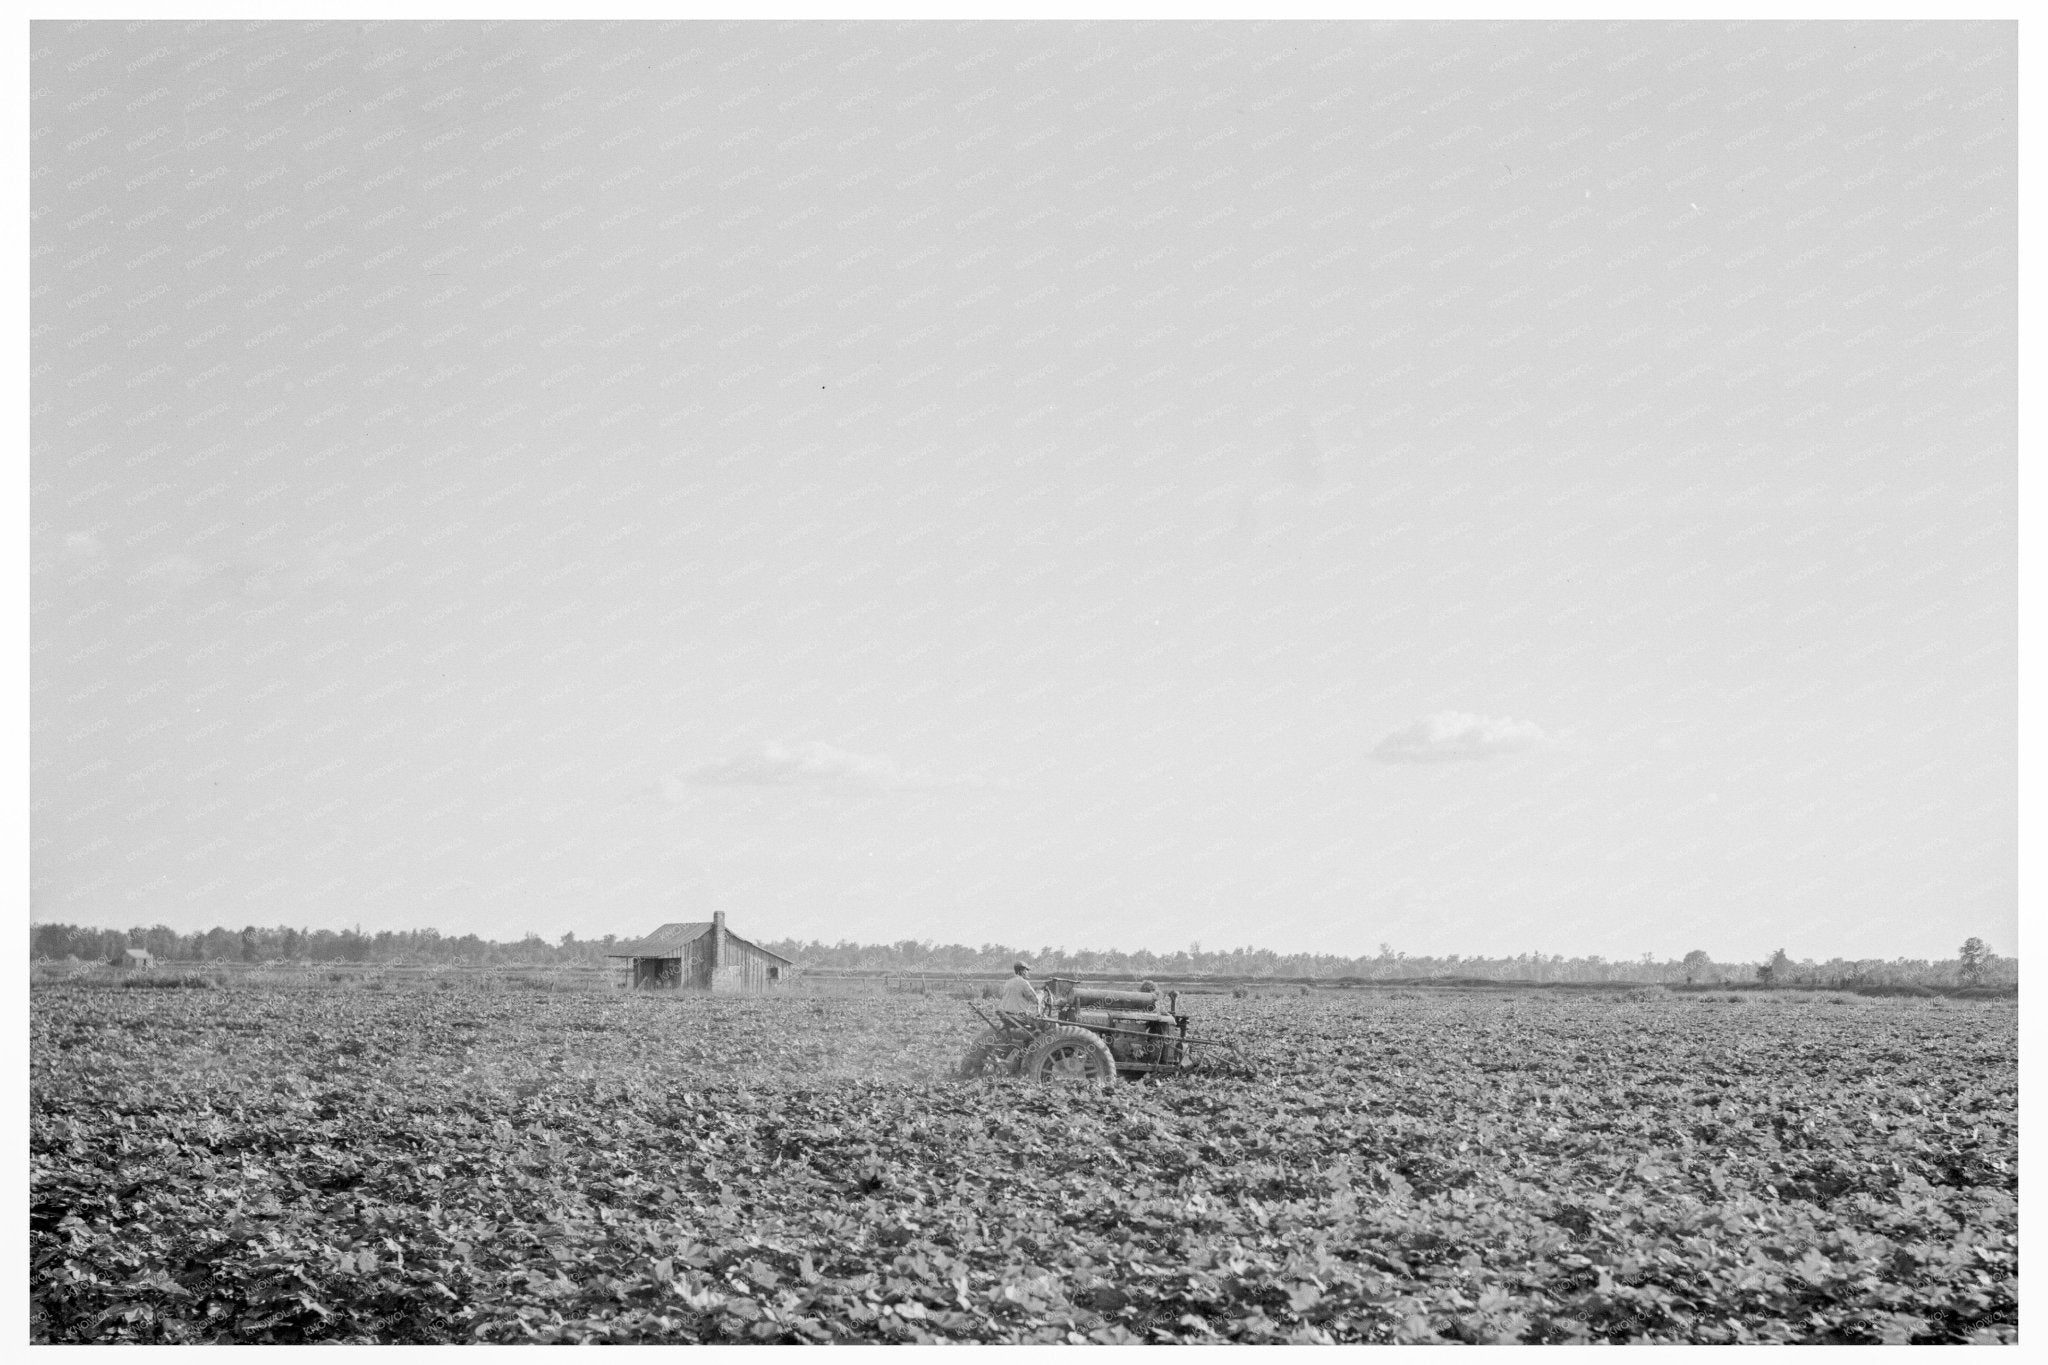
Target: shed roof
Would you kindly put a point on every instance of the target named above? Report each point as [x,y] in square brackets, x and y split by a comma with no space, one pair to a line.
[670,939]
[764,952]
[663,942]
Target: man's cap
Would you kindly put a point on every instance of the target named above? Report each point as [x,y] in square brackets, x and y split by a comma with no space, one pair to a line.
[1023,966]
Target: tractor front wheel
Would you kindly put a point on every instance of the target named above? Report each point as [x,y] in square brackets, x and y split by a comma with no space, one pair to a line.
[1070,1055]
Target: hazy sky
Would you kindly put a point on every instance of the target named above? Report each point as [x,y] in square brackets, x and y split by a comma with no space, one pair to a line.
[1481,488]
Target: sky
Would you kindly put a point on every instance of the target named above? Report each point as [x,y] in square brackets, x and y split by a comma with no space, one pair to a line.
[1477,488]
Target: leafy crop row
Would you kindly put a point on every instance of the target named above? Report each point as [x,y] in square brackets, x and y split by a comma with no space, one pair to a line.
[425,1167]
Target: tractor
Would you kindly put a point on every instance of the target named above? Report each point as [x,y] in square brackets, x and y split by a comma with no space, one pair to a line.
[1086,1034]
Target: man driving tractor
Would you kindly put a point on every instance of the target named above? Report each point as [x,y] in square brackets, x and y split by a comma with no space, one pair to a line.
[1019,995]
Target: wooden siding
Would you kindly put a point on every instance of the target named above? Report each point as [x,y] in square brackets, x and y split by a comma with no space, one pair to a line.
[744,969]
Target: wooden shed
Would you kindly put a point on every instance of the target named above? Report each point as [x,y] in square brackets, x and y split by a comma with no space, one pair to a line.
[704,956]
[134,957]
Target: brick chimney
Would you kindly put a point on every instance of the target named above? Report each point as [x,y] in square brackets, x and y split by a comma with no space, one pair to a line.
[717,939]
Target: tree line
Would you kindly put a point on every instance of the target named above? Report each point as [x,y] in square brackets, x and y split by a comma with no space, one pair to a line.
[1974,964]
[253,944]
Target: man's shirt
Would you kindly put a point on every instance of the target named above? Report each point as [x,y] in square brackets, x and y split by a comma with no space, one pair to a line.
[1019,997]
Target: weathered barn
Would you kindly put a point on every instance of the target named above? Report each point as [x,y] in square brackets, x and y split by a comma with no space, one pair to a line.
[134,957]
[704,957]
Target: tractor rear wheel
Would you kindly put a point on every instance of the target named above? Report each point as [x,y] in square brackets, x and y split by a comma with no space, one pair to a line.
[1069,1055]
[992,1044]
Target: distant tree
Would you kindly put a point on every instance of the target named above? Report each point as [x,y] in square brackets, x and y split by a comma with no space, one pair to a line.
[1696,964]
[1973,958]
[249,943]
[1777,971]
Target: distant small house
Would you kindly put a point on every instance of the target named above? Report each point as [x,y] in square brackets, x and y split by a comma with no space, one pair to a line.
[704,956]
[134,957]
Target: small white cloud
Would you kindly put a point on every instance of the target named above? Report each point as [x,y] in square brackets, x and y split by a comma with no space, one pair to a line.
[1291,478]
[1449,736]
[808,764]
[85,547]
[320,570]
[84,555]
[173,573]
[328,566]
[262,581]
